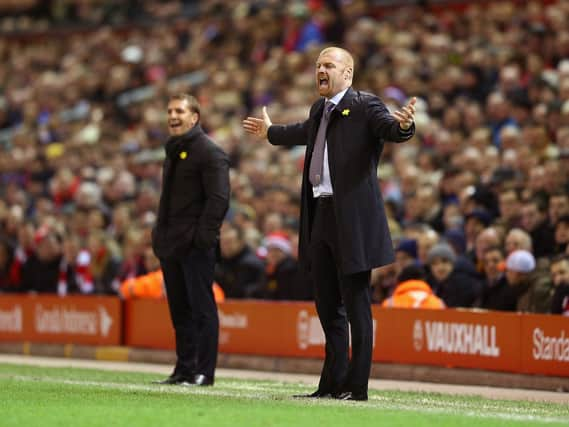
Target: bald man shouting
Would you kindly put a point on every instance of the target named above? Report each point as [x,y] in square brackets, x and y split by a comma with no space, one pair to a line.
[343,227]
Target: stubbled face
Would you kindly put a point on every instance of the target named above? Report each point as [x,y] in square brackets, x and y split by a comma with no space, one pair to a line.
[181,118]
[333,73]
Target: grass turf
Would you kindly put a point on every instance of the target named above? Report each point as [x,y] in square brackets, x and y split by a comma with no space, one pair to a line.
[36,396]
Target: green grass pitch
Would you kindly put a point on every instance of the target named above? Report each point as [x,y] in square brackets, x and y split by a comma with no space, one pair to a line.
[36,396]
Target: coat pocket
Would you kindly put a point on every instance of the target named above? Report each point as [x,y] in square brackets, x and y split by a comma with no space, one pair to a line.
[172,240]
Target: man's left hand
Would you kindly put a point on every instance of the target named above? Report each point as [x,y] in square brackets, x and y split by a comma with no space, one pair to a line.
[406,116]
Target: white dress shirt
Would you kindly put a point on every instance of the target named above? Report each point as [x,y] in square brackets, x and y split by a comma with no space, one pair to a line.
[325,186]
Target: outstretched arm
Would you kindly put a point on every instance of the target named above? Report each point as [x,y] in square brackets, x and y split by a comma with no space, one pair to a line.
[288,135]
[256,126]
[406,116]
[397,126]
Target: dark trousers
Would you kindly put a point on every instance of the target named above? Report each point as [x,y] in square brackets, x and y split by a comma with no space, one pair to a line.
[340,298]
[193,311]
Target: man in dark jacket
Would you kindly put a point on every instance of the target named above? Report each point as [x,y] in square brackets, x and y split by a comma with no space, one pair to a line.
[194,200]
[240,272]
[515,290]
[452,278]
[535,222]
[343,226]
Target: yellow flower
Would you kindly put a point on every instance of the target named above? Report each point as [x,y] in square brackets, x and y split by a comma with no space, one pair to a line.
[183,155]
[346,112]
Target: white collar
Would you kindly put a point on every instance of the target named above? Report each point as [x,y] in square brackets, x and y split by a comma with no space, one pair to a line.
[338,97]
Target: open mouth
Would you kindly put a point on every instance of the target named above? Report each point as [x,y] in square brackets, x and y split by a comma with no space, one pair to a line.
[175,124]
[323,82]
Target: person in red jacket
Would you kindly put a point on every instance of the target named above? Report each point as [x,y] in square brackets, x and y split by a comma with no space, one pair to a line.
[413,292]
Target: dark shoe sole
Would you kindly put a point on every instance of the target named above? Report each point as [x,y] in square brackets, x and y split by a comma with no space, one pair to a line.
[315,395]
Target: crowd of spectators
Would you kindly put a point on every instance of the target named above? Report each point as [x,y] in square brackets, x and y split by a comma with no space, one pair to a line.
[478,199]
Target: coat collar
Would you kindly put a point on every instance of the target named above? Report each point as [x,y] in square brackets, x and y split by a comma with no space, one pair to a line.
[344,103]
[175,144]
[188,136]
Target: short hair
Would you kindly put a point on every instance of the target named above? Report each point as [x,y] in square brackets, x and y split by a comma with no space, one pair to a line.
[525,238]
[411,272]
[347,57]
[191,100]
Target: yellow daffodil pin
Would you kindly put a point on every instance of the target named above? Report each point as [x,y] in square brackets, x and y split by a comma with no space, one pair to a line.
[346,112]
[183,155]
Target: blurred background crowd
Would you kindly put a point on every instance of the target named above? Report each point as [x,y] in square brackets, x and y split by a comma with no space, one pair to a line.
[478,200]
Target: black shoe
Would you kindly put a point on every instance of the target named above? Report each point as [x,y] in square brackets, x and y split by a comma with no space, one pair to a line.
[348,395]
[202,380]
[171,380]
[316,395]
[174,379]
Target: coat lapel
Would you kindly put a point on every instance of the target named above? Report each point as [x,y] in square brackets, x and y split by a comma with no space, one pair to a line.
[345,103]
[315,119]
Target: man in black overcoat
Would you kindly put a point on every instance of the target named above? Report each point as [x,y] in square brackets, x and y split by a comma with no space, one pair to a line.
[193,203]
[343,226]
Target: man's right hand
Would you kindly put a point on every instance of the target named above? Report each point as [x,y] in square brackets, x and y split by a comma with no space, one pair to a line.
[256,126]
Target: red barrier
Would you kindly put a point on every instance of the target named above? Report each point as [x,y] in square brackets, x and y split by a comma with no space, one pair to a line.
[449,338]
[497,341]
[147,324]
[494,341]
[51,319]
[545,344]
[246,327]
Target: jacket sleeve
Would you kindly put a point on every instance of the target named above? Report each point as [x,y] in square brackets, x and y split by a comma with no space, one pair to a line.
[289,135]
[215,181]
[383,125]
